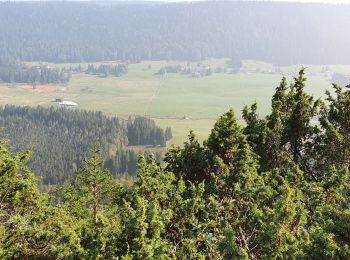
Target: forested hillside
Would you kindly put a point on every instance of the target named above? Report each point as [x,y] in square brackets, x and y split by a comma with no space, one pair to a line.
[143,131]
[275,188]
[61,138]
[14,71]
[105,70]
[281,33]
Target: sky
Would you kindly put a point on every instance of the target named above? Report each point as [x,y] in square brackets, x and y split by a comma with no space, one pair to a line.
[300,1]
[316,1]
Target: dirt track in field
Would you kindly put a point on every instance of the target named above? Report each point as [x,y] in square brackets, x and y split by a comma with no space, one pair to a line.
[43,88]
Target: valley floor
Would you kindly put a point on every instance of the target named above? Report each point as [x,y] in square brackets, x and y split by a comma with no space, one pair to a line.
[173,99]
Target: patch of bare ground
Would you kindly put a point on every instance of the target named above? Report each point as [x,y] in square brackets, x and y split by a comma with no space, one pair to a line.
[44,88]
[147,148]
[48,88]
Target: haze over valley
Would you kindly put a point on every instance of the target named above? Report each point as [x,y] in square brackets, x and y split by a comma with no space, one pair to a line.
[174,129]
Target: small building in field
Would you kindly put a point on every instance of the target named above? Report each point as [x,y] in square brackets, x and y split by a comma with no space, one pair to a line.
[68,104]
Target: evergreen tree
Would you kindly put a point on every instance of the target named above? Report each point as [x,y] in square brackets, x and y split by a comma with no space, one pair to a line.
[222,140]
[253,192]
[257,133]
[30,227]
[89,201]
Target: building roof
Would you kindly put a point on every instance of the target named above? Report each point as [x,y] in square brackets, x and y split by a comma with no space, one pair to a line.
[68,103]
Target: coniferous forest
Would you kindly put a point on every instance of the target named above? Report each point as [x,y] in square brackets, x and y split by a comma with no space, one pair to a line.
[276,187]
[60,138]
[288,33]
[14,71]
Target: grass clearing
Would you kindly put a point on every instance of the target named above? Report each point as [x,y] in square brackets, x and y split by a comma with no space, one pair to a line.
[182,127]
[172,97]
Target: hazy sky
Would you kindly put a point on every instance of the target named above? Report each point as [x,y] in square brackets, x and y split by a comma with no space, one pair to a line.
[302,1]
[316,1]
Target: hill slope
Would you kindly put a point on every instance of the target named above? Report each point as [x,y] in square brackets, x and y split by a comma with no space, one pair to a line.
[281,33]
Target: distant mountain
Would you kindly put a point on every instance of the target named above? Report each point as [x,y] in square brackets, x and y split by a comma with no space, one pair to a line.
[281,33]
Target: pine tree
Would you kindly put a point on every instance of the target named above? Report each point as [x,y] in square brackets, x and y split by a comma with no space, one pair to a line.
[29,226]
[223,138]
[257,133]
[89,200]
[298,125]
[189,162]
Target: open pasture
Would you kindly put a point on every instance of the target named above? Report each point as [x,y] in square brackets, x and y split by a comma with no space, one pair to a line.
[172,99]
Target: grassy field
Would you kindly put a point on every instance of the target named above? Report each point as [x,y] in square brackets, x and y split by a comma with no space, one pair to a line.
[169,98]
[181,128]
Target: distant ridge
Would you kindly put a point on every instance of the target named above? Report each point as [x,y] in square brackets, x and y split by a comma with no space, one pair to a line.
[174,1]
[283,34]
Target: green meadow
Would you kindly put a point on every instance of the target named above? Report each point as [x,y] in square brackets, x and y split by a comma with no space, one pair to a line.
[175,100]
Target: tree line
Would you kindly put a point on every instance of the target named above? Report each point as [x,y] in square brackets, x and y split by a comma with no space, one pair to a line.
[59,139]
[13,71]
[80,32]
[144,131]
[106,69]
[277,187]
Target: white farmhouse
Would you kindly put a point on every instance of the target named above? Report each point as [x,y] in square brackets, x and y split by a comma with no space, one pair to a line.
[68,104]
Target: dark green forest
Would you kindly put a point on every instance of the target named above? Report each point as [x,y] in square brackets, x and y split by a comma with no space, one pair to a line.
[105,70]
[14,71]
[143,131]
[60,138]
[279,33]
[274,188]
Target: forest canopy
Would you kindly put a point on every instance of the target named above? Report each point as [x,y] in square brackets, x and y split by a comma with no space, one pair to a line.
[277,187]
[60,138]
[287,33]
